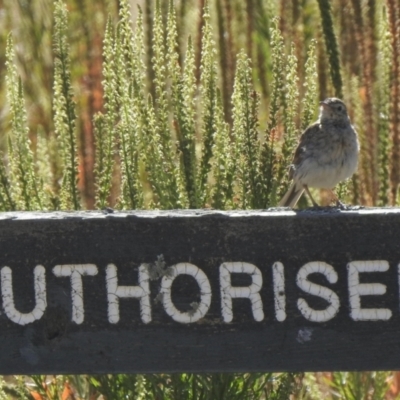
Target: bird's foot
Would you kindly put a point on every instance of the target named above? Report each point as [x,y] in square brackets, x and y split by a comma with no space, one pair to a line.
[341,205]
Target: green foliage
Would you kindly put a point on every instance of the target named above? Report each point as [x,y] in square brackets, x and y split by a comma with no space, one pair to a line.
[186,129]
[245,120]
[20,190]
[105,125]
[130,101]
[271,386]
[311,85]
[199,386]
[44,173]
[15,390]
[270,168]
[184,86]
[7,202]
[228,167]
[278,68]
[64,110]
[291,131]
[183,89]
[208,100]
[384,149]
[172,148]
[331,45]
[358,179]
[359,385]
[163,170]
[104,160]
[223,164]
[120,386]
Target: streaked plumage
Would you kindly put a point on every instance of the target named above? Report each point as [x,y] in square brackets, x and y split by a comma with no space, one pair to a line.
[327,153]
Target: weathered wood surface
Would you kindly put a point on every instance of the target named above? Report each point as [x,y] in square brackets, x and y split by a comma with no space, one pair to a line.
[318,290]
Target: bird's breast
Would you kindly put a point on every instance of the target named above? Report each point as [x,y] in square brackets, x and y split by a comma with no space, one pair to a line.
[330,160]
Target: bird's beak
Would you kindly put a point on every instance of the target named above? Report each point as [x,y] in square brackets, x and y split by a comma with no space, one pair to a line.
[324,104]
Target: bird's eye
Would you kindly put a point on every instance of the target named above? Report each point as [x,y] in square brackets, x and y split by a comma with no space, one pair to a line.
[340,108]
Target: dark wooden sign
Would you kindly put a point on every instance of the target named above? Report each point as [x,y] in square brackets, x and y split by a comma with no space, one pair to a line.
[200,291]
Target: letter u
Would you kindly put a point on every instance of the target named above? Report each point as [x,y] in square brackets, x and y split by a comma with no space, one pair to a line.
[8,296]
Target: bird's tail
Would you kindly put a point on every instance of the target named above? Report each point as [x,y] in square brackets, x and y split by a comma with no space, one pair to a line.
[292,196]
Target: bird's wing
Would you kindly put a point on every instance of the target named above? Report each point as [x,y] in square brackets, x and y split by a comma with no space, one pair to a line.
[305,138]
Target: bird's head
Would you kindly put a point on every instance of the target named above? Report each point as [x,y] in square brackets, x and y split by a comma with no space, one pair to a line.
[333,110]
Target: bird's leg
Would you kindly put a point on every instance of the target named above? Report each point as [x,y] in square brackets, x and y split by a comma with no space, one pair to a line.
[315,204]
[337,200]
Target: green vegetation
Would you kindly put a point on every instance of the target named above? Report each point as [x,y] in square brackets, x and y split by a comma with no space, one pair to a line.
[191,105]
[176,115]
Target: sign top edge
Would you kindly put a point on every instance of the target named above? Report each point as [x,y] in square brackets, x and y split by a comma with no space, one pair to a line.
[198,213]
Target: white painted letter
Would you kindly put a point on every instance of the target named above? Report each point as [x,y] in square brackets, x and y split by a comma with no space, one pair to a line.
[357,289]
[115,292]
[317,267]
[14,315]
[75,272]
[229,292]
[199,310]
[278,273]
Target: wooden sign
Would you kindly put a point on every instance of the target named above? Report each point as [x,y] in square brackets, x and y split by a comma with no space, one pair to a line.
[201,291]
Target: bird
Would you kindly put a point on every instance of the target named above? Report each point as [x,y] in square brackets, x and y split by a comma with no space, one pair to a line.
[327,154]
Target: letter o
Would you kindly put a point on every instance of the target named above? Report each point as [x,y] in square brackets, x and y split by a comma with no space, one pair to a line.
[205,293]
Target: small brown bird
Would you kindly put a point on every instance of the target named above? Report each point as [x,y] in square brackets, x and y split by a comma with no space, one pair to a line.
[326,155]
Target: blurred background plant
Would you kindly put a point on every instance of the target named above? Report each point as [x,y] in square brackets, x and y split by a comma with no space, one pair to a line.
[191,104]
[268,386]
[154,104]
